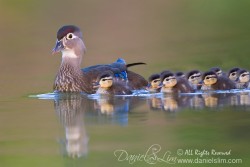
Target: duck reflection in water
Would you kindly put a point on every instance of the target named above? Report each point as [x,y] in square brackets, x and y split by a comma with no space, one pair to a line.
[168,102]
[176,102]
[73,108]
[70,110]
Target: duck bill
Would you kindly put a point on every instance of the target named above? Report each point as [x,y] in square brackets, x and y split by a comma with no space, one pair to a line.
[58,48]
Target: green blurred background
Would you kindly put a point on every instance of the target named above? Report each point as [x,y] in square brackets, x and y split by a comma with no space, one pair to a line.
[179,35]
[176,35]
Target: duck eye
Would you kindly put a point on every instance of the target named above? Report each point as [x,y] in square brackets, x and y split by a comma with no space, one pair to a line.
[69,36]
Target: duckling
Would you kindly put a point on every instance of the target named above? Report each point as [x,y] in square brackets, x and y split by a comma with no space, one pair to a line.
[233,73]
[194,79]
[213,82]
[154,82]
[242,81]
[165,71]
[218,71]
[180,74]
[107,85]
[172,84]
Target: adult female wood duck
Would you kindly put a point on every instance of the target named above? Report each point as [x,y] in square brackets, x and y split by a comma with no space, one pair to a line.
[71,78]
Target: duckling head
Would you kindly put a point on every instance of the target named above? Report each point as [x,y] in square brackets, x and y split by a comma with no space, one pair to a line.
[233,73]
[105,80]
[209,78]
[194,77]
[180,74]
[168,80]
[243,76]
[217,70]
[154,81]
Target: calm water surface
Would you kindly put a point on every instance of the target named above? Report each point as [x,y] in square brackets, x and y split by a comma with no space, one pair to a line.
[140,130]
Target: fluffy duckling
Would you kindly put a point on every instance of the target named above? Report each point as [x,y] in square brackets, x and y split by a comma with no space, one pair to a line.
[194,79]
[243,80]
[172,84]
[213,82]
[107,85]
[233,73]
[180,74]
[154,82]
[218,71]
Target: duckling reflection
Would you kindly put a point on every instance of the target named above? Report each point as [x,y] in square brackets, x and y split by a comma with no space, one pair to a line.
[155,103]
[116,108]
[197,102]
[170,102]
[213,100]
[70,110]
[111,105]
[244,98]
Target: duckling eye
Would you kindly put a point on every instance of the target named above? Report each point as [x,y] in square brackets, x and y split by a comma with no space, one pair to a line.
[167,79]
[192,77]
[243,75]
[69,36]
[208,77]
[233,74]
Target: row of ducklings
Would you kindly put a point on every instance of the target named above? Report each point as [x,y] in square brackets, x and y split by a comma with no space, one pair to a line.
[169,82]
[214,79]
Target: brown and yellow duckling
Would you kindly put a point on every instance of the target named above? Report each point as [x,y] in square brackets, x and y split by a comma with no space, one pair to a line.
[110,86]
[154,82]
[173,84]
[180,74]
[218,71]
[243,80]
[213,82]
[194,79]
[233,73]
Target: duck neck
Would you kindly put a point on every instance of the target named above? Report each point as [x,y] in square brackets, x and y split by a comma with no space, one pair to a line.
[72,60]
[101,90]
[166,89]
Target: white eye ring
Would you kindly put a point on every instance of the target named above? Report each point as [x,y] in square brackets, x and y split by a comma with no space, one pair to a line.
[69,36]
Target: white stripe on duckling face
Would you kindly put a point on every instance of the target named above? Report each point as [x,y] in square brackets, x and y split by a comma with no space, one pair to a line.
[155,83]
[233,76]
[195,78]
[169,82]
[244,77]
